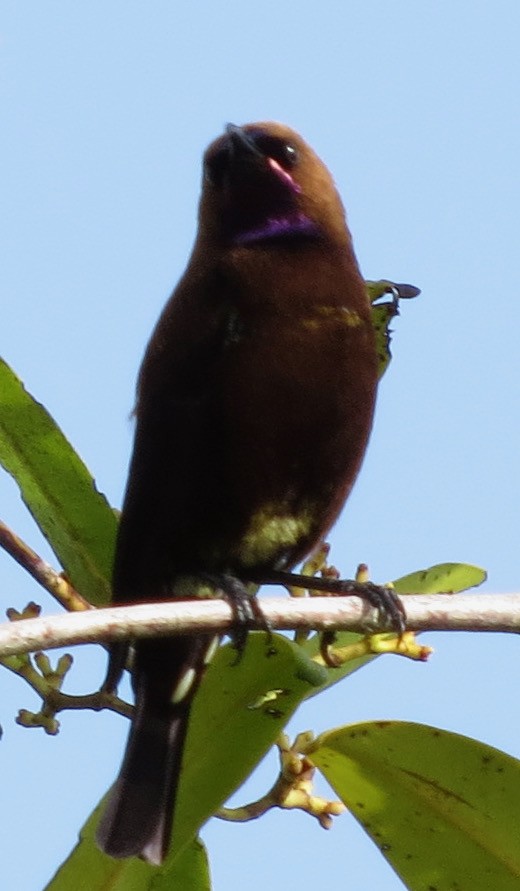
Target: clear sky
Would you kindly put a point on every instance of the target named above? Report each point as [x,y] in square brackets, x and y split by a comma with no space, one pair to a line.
[106,109]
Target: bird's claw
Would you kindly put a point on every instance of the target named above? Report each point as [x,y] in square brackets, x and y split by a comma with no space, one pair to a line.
[383,598]
[247,612]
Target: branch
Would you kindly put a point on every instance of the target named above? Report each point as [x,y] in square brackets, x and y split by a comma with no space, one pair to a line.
[438,612]
[45,575]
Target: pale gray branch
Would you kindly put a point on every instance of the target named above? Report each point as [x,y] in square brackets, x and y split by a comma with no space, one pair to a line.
[439,612]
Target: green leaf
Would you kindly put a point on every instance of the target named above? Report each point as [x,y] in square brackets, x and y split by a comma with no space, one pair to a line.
[87,869]
[383,313]
[189,872]
[444,578]
[237,714]
[377,289]
[443,809]
[60,493]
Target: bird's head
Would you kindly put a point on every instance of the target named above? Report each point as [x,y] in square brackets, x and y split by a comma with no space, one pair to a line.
[263,184]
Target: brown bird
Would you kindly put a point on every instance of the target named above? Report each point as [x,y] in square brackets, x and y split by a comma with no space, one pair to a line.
[254,406]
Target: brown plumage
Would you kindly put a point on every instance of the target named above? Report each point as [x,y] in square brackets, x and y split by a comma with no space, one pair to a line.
[254,406]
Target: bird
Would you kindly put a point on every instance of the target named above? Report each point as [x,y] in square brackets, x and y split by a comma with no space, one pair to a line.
[255,402]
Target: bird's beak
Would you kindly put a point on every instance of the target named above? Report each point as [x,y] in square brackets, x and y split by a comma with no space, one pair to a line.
[241,143]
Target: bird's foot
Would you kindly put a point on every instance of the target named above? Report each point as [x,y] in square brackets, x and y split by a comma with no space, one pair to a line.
[247,611]
[383,598]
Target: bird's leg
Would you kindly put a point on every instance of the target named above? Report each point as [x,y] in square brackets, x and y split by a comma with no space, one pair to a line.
[118,655]
[246,609]
[384,599]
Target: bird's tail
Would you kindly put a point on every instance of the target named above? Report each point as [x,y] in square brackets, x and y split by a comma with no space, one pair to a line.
[138,817]
[137,821]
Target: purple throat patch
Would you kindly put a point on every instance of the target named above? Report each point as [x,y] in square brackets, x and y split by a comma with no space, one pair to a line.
[278,227]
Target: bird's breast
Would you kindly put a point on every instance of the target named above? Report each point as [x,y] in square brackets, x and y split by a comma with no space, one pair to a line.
[295,400]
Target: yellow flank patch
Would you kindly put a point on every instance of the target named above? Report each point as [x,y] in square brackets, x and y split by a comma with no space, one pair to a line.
[189,586]
[341,314]
[270,533]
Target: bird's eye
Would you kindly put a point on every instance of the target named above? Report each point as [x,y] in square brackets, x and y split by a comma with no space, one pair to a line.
[283,152]
[216,166]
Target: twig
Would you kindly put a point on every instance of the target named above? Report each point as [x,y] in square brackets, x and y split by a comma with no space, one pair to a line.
[292,790]
[45,575]
[439,612]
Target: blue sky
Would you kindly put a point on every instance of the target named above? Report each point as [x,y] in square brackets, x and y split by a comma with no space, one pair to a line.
[414,106]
